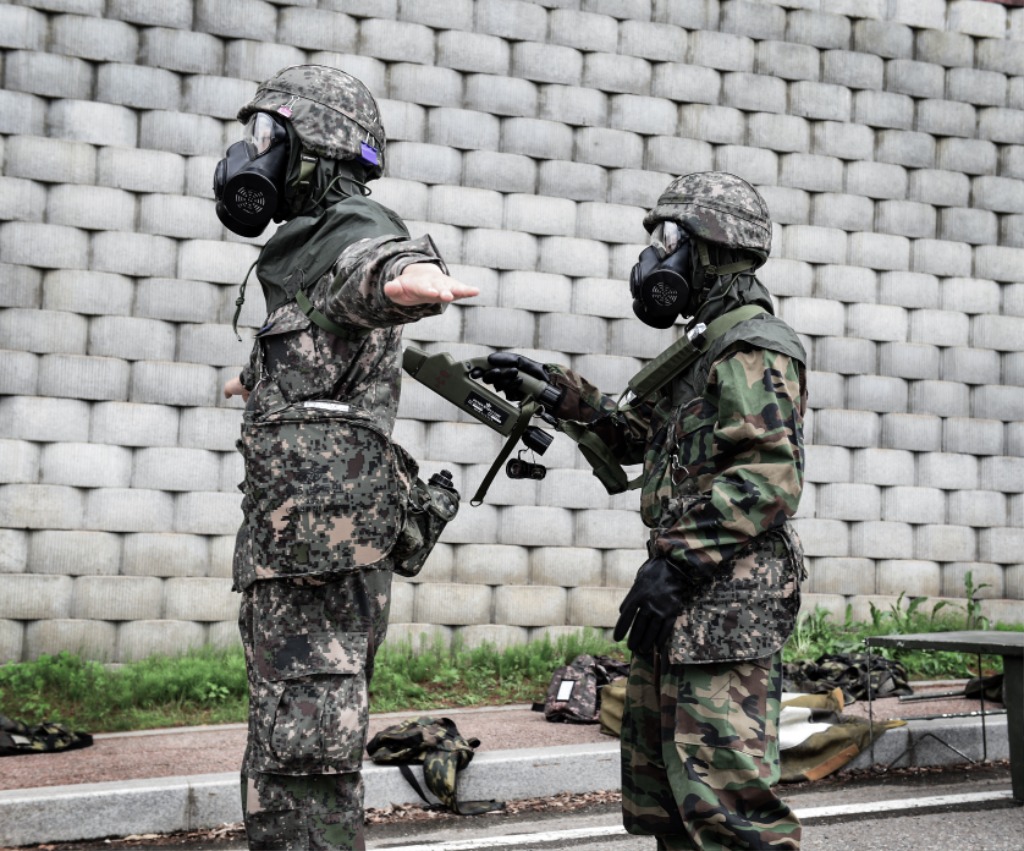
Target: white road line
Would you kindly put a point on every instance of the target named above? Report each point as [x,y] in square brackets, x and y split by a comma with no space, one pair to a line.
[867,808]
[512,840]
[877,807]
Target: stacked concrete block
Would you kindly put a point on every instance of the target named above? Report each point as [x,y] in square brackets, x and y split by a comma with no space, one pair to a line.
[528,139]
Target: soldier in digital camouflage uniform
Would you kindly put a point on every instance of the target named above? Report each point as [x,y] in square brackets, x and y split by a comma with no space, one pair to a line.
[722,454]
[323,490]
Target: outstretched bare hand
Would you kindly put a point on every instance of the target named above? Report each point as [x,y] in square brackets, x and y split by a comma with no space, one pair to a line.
[425,283]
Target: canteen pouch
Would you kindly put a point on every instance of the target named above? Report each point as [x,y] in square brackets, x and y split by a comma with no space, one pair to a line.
[430,506]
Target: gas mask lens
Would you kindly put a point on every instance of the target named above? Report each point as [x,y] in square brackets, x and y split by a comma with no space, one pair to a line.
[261,132]
[666,238]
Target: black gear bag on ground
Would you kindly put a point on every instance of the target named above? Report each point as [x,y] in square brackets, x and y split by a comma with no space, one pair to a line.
[17,738]
[854,673]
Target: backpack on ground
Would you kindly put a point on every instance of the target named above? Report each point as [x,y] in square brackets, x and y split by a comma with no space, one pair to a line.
[443,752]
[574,694]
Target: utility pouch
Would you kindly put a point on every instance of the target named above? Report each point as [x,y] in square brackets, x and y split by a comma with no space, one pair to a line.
[322,490]
[431,505]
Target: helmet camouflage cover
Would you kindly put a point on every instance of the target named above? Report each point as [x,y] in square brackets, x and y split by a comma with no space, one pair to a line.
[718,207]
[333,113]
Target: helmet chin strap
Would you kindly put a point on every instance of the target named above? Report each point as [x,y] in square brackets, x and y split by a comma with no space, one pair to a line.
[305,188]
[713,273]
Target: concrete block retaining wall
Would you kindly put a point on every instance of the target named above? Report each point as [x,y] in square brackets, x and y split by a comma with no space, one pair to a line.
[527,138]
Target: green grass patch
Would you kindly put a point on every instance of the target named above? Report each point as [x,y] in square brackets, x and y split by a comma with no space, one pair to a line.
[437,677]
[209,687]
[204,687]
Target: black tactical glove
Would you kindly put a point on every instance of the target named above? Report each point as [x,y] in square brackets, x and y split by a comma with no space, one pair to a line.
[505,376]
[652,606]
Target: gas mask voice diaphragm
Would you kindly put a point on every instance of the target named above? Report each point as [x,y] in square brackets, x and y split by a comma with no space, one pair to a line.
[249,182]
[660,280]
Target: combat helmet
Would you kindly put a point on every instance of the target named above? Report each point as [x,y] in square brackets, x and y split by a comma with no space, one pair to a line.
[717,207]
[333,113]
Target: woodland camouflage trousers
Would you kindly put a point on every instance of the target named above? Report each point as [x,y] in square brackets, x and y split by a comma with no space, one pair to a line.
[700,755]
[309,646]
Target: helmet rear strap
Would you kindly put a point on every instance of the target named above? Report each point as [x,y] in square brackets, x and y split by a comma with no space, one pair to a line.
[713,271]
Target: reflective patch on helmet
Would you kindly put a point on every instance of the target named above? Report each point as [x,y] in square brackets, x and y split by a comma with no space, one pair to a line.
[369,154]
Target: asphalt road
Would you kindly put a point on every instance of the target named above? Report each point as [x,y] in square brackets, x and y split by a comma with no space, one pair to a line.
[967,809]
[961,809]
[986,821]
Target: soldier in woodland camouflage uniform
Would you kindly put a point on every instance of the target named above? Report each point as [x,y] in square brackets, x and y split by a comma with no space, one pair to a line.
[323,492]
[722,454]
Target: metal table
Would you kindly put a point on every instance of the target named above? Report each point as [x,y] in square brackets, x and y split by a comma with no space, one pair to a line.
[1009,645]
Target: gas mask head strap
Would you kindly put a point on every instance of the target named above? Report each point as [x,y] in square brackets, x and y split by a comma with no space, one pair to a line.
[711,271]
[302,163]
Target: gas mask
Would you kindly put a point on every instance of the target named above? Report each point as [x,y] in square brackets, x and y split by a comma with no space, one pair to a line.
[660,281]
[249,183]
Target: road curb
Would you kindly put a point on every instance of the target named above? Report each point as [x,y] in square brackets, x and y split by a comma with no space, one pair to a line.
[172,804]
[938,742]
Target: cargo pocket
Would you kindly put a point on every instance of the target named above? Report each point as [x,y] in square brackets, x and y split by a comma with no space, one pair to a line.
[313,703]
[723,706]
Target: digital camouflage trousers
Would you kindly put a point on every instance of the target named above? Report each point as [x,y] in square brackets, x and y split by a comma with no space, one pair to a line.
[309,647]
[700,755]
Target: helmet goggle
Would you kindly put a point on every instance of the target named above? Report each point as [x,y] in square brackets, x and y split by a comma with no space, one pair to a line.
[261,134]
[667,237]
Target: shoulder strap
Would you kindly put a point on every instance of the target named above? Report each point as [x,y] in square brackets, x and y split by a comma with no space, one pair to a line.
[659,372]
[318,319]
[684,351]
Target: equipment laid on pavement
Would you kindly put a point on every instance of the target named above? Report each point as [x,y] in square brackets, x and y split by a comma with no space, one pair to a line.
[575,692]
[859,675]
[18,738]
[438,745]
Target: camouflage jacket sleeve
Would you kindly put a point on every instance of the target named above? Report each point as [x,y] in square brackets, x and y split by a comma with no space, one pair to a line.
[248,374]
[625,434]
[743,445]
[354,293]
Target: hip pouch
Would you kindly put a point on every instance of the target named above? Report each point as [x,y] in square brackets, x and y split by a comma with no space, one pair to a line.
[430,506]
[323,493]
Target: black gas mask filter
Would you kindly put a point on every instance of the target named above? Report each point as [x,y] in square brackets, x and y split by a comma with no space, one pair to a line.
[249,183]
[660,282]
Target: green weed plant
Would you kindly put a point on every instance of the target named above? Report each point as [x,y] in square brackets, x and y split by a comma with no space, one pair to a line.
[817,634]
[434,676]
